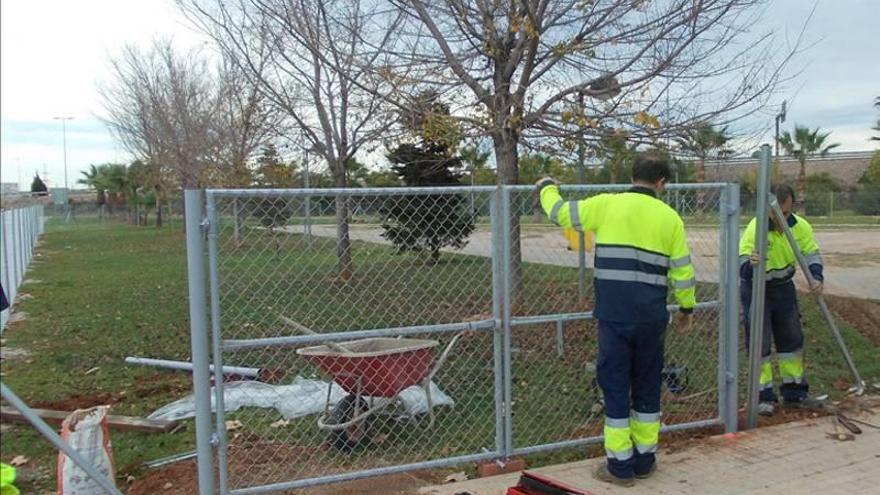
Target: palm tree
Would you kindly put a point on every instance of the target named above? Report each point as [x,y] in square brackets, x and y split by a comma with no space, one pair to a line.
[802,145]
[95,179]
[705,142]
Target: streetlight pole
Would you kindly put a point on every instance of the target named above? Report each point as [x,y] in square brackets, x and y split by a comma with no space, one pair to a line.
[780,118]
[64,140]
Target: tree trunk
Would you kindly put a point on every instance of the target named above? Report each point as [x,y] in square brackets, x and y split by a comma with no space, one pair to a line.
[505,146]
[801,204]
[158,210]
[701,170]
[343,240]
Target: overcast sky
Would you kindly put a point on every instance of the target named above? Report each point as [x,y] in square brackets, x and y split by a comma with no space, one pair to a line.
[54,52]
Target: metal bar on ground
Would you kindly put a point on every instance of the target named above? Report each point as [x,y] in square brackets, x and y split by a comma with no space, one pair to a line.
[805,268]
[195,261]
[756,316]
[185,366]
[57,441]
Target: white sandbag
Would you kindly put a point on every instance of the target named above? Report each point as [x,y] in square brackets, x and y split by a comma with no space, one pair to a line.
[88,433]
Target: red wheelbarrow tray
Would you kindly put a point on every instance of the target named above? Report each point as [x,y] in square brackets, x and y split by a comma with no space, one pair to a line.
[378,367]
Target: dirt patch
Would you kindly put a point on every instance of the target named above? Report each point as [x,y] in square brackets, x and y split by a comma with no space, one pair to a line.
[181,478]
[174,479]
[81,401]
[162,385]
[862,314]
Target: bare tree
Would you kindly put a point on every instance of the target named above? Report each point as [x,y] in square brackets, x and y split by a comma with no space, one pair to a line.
[161,107]
[526,72]
[305,56]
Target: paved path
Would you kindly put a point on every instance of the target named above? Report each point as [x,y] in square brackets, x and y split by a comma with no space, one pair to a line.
[852,257]
[794,458]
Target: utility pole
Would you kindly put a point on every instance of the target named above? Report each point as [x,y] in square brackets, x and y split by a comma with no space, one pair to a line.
[780,118]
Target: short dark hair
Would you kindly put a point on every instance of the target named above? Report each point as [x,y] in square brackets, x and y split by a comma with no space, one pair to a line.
[783,192]
[651,166]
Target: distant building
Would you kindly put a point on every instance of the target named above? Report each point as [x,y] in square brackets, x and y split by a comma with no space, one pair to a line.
[846,167]
[9,188]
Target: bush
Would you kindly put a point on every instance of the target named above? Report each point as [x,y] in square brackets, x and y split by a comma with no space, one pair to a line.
[867,200]
[820,188]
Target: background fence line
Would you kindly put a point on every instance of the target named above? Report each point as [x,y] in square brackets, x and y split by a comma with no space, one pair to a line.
[20,228]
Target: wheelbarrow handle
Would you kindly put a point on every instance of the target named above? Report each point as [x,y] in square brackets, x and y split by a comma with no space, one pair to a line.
[445,355]
[303,329]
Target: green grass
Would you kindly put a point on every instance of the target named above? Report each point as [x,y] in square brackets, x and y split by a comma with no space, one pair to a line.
[105,291]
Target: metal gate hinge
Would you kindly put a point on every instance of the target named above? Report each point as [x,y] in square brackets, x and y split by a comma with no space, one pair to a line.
[205,224]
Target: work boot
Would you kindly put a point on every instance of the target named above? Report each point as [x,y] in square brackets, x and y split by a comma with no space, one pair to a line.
[766,408]
[603,474]
[647,474]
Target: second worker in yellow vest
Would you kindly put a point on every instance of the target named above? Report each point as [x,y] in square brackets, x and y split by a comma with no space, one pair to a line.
[781,315]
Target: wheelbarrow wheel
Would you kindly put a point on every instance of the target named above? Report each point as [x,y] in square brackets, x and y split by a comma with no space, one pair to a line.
[355,436]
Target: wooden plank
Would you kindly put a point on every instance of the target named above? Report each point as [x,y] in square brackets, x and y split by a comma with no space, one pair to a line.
[124,423]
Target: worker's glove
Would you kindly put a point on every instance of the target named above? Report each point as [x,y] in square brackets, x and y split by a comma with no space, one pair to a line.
[683,321]
[546,181]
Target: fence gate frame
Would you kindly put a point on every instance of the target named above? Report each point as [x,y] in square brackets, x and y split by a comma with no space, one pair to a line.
[202,221]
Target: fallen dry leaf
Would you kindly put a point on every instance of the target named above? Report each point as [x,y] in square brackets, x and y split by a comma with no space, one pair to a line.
[456,477]
[233,425]
[278,424]
[92,370]
[168,485]
[130,479]
[19,460]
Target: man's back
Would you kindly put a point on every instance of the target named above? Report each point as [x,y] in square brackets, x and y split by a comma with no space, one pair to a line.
[640,246]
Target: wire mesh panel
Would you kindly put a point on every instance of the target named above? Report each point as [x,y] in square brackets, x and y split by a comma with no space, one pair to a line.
[394,329]
[553,337]
[415,265]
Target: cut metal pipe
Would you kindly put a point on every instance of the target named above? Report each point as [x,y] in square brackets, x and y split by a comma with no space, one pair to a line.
[186,366]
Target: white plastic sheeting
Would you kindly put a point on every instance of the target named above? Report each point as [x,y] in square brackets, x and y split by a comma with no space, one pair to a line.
[299,398]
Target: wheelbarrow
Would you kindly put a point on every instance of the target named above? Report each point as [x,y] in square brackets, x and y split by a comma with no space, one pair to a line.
[369,369]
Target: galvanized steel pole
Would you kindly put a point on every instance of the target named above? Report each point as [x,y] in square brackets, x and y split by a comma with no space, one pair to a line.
[756,315]
[195,261]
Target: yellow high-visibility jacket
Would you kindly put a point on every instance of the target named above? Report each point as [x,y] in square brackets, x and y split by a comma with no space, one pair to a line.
[641,249]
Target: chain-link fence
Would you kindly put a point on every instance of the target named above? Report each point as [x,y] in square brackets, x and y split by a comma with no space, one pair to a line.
[452,325]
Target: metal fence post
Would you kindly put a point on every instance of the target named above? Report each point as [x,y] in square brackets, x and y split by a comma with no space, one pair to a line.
[195,252]
[728,338]
[495,217]
[507,358]
[56,440]
[756,315]
[214,278]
